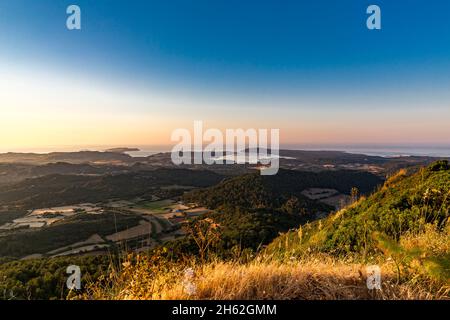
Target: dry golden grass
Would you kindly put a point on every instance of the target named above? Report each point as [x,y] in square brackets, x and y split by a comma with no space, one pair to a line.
[312,276]
[312,279]
[430,240]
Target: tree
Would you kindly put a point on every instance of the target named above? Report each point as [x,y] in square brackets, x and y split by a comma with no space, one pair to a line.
[206,233]
[291,206]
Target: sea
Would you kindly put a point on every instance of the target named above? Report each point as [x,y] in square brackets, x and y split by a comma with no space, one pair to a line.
[384,150]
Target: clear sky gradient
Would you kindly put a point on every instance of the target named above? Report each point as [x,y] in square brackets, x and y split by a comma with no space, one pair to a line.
[139,69]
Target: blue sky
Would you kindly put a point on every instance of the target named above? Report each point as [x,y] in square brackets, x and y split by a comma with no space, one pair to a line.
[307,59]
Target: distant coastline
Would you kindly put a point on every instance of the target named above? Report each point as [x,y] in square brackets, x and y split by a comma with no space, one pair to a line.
[392,151]
[370,150]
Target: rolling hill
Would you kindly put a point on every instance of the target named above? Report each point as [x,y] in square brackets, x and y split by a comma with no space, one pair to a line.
[254,191]
[57,189]
[404,205]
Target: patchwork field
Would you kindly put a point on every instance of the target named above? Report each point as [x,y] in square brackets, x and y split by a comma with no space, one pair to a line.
[42,217]
[156,206]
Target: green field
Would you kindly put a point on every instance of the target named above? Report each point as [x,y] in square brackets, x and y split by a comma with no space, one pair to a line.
[156,206]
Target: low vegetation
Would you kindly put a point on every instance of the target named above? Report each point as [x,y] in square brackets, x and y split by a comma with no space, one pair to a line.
[46,278]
